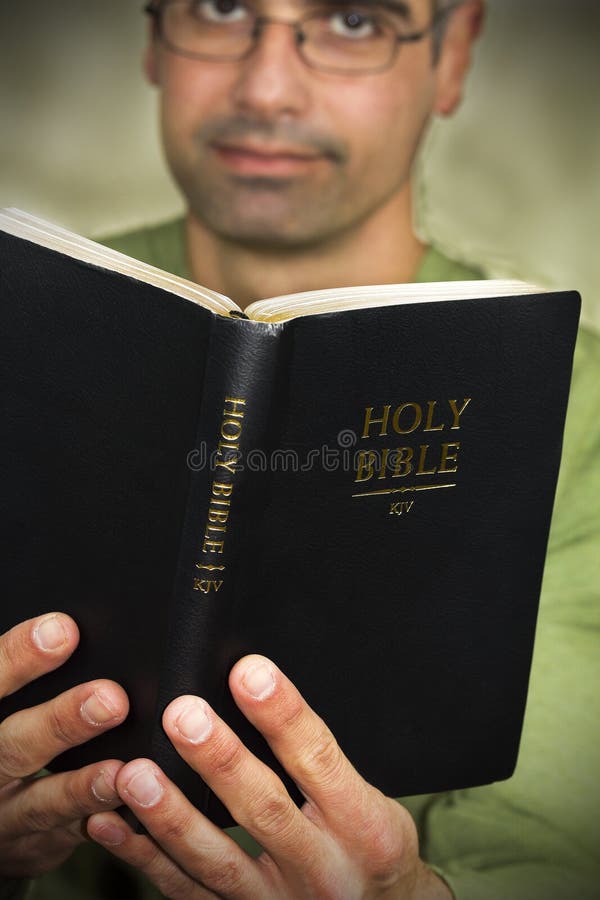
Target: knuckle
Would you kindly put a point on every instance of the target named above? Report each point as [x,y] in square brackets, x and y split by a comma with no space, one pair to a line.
[77,796]
[148,857]
[59,728]
[77,832]
[326,887]
[323,759]
[11,654]
[174,885]
[223,875]
[274,813]
[292,714]
[34,819]
[15,760]
[385,845]
[8,647]
[175,827]
[385,863]
[19,639]
[168,878]
[385,877]
[227,759]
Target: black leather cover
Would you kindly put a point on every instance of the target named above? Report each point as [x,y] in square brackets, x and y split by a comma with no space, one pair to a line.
[410,633]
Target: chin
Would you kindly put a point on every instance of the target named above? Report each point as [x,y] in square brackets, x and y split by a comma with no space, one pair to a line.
[273,229]
[262,237]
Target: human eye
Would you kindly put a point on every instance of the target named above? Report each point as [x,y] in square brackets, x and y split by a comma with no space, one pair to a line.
[220,12]
[354,24]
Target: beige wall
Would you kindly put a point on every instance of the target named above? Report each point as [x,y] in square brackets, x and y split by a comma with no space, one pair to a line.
[513,181]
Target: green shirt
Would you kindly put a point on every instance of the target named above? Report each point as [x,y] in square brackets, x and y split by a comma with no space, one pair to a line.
[537,835]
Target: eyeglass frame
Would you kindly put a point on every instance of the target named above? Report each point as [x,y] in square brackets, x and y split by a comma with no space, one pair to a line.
[155,9]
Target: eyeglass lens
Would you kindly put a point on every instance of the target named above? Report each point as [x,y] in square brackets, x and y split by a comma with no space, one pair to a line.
[341,37]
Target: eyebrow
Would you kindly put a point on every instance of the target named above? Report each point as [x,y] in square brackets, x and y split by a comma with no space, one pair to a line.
[398,7]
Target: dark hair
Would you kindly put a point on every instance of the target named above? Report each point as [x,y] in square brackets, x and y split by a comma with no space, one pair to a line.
[438,7]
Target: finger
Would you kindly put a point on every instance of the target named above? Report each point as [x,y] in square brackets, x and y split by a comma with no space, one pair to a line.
[35,647]
[198,847]
[254,795]
[57,801]
[306,748]
[109,830]
[37,854]
[31,738]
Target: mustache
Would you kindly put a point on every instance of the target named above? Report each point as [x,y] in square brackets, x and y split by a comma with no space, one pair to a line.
[296,134]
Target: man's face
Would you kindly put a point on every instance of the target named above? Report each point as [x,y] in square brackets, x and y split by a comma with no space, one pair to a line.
[271,152]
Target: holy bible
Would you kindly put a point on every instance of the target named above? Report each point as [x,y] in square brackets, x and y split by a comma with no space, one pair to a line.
[356,483]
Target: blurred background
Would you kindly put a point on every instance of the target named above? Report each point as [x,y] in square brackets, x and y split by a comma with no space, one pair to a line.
[512,182]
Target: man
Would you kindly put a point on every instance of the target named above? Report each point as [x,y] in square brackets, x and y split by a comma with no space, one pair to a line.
[291,131]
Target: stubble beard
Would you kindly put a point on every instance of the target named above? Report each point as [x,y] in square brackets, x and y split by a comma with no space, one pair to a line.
[267,213]
[284,213]
[287,214]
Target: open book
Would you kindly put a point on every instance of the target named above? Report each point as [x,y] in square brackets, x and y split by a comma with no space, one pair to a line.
[357,483]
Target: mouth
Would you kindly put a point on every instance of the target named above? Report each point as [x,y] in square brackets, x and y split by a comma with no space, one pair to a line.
[249,158]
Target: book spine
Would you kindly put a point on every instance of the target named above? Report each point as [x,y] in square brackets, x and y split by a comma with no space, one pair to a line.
[241,386]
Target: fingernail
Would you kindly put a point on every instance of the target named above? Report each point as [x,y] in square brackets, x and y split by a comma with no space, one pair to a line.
[97,710]
[111,835]
[103,788]
[145,787]
[49,634]
[259,681]
[193,722]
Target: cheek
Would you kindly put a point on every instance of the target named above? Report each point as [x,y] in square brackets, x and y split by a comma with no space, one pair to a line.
[190,93]
[383,124]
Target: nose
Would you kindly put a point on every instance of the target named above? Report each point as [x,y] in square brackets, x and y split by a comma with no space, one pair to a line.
[273,81]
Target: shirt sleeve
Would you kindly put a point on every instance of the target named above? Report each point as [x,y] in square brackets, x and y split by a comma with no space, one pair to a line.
[537,835]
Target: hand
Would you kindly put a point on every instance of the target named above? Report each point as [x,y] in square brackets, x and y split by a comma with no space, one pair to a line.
[41,820]
[347,841]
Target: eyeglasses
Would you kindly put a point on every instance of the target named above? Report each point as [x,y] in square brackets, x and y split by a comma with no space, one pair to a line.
[338,38]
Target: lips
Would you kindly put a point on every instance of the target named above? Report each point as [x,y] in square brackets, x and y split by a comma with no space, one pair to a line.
[268,151]
[253,158]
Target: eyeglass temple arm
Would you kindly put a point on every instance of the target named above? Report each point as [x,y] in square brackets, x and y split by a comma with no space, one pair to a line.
[438,17]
